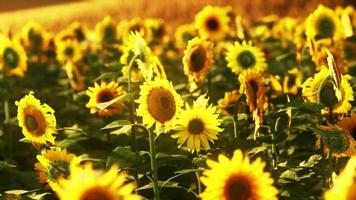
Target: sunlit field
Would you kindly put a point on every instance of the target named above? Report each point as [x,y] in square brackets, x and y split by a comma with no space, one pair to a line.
[210,101]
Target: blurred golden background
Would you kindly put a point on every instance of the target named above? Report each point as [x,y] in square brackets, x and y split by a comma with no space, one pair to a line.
[56,14]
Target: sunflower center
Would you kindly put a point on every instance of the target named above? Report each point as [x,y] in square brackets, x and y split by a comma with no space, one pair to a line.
[325,27]
[337,143]
[57,169]
[196,126]
[353,133]
[105,96]
[161,104]
[79,34]
[69,51]
[291,81]
[212,24]
[326,93]
[35,122]
[11,58]
[237,187]
[135,28]
[97,193]
[109,34]
[197,59]
[246,59]
[35,40]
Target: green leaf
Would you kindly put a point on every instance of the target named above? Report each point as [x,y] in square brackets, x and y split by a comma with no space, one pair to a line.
[118,99]
[107,75]
[116,124]
[123,156]
[25,140]
[306,107]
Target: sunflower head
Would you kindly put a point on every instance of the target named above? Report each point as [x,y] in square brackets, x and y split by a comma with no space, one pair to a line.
[245,56]
[34,37]
[184,34]
[13,58]
[109,185]
[292,81]
[212,22]
[198,125]
[233,179]
[348,124]
[228,105]
[105,31]
[198,58]
[159,104]
[135,25]
[37,120]
[68,51]
[158,30]
[104,93]
[323,23]
[76,31]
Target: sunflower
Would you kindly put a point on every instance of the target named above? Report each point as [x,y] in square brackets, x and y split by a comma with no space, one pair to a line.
[292,81]
[349,125]
[245,56]
[75,31]
[228,105]
[340,144]
[74,75]
[344,185]
[135,25]
[212,22]
[198,58]
[103,93]
[34,37]
[37,120]
[320,89]
[323,23]
[68,51]
[158,30]
[198,125]
[105,31]
[252,83]
[13,58]
[86,183]
[184,34]
[159,104]
[53,164]
[237,178]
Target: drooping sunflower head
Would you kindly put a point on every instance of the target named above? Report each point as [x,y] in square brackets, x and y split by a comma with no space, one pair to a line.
[103,93]
[245,56]
[212,22]
[53,164]
[159,104]
[68,51]
[13,58]
[105,31]
[34,37]
[228,105]
[37,120]
[292,81]
[323,23]
[344,184]
[198,58]
[89,184]
[320,89]
[198,125]
[237,179]
[184,34]
[348,124]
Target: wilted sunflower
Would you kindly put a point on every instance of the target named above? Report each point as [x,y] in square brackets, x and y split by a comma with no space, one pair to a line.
[344,185]
[159,104]
[87,184]
[37,120]
[228,105]
[292,81]
[103,93]
[245,56]
[252,83]
[323,23]
[340,144]
[198,125]
[349,125]
[13,58]
[212,22]
[237,179]
[184,34]
[320,89]
[53,164]
[68,51]
[34,37]
[198,58]
[105,31]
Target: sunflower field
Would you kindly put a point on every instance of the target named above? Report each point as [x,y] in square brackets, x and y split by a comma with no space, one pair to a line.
[222,108]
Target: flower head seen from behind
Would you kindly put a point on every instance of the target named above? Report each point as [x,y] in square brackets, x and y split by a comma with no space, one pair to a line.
[53,164]
[237,178]
[198,125]
[85,183]
[37,120]
[159,104]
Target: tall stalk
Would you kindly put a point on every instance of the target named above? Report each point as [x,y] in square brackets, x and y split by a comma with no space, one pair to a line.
[153,164]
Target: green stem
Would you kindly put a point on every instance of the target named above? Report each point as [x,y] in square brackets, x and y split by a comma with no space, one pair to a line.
[153,164]
[198,182]
[331,115]
[235,136]
[274,148]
